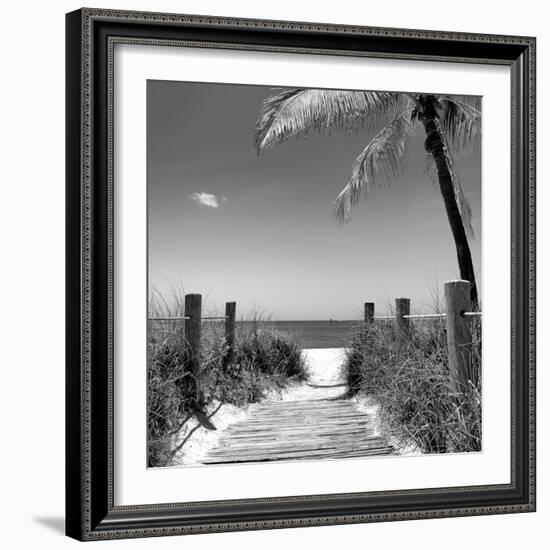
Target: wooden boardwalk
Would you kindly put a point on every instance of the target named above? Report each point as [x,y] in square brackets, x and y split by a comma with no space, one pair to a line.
[320,424]
[300,430]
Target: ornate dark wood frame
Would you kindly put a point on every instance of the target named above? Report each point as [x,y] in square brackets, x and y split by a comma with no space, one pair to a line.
[90,510]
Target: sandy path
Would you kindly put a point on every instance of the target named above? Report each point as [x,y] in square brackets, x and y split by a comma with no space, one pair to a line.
[310,421]
[324,367]
[326,377]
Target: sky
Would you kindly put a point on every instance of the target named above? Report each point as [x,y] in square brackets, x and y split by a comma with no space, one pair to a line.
[259,230]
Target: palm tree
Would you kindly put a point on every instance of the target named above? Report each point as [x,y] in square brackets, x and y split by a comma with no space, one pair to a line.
[446,120]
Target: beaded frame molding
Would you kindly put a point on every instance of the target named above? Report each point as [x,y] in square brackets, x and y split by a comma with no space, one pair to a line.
[90,40]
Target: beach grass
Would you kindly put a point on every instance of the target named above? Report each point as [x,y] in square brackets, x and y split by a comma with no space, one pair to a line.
[410,382]
[263,361]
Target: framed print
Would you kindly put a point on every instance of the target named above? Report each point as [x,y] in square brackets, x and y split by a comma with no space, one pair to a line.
[300,274]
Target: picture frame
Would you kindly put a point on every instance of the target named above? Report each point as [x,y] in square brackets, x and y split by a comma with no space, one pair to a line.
[91,510]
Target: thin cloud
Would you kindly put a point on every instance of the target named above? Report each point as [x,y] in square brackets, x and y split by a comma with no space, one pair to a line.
[207,199]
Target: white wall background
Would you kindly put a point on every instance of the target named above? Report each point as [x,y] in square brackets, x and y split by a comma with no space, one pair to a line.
[32,274]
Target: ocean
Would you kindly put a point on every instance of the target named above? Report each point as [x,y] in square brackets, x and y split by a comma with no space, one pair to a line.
[312,334]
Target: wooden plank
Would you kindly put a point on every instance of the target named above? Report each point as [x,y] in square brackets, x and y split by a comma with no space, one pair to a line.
[287,434]
[292,446]
[382,451]
[300,430]
[280,454]
[352,421]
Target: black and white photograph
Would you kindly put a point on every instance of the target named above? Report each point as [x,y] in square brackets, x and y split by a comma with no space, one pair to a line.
[314,274]
[270,275]
[300,276]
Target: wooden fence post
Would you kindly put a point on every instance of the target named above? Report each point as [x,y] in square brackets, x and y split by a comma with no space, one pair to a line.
[457,301]
[402,325]
[193,310]
[369,312]
[230,310]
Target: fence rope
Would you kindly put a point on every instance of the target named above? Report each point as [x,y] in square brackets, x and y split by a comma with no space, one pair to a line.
[186,318]
[427,315]
[216,318]
[377,318]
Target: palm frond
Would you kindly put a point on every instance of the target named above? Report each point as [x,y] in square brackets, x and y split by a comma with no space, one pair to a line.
[470,100]
[296,112]
[461,121]
[380,163]
[461,200]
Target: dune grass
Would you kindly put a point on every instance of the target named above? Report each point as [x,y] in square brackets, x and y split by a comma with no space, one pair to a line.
[263,361]
[410,382]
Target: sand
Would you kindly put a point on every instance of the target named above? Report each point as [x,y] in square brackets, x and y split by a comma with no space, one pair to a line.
[325,376]
[326,380]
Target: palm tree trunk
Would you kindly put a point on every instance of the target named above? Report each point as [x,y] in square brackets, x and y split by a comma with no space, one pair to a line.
[434,146]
